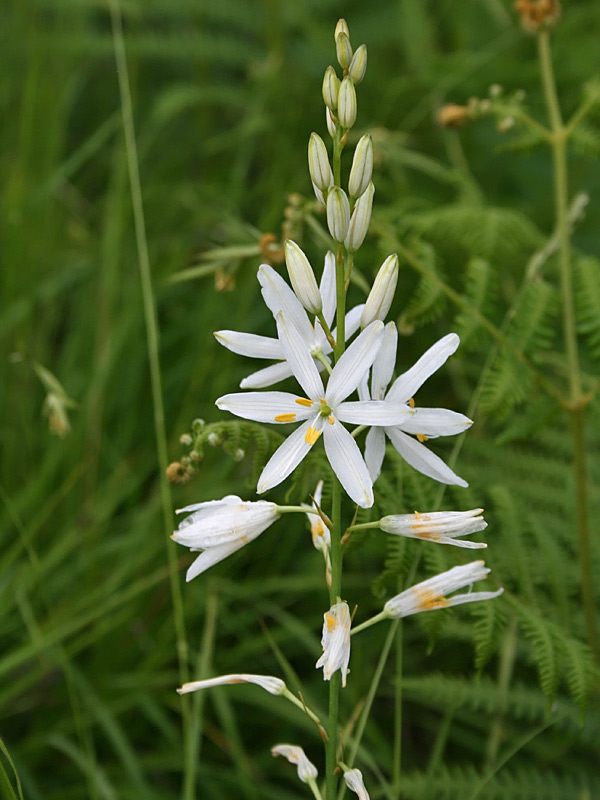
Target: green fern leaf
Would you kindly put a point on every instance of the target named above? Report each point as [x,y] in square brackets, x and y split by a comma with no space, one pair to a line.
[587,297]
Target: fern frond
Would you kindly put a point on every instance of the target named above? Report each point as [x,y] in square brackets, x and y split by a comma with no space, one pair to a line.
[490,620]
[587,297]
[428,300]
[476,291]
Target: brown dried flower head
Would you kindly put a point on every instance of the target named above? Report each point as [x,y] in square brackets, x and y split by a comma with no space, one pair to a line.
[179,473]
[537,14]
[452,115]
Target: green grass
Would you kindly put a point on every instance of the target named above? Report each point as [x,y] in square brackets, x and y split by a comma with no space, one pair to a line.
[224,97]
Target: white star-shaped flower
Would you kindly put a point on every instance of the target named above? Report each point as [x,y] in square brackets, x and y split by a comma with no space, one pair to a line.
[426,423]
[280,298]
[322,411]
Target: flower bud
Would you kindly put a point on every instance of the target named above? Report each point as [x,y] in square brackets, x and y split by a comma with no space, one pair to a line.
[338,213]
[359,221]
[347,103]
[343,50]
[341,27]
[319,195]
[318,163]
[381,295]
[331,123]
[358,65]
[362,166]
[302,277]
[331,88]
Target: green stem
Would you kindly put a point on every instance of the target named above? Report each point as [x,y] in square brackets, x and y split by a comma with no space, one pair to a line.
[576,404]
[152,337]
[326,329]
[396,628]
[335,682]
[369,622]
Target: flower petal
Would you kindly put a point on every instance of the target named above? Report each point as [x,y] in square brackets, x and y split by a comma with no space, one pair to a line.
[375,412]
[351,321]
[347,462]
[250,344]
[279,297]
[422,459]
[375,452]
[299,358]
[354,363]
[435,422]
[383,366]
[407,384]
[267,376]
[266,406]
[327,288]
[211,557]
[267,682]
[287,457]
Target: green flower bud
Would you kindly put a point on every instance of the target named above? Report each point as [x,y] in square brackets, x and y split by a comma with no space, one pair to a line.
[302,277]
[347,103]
[331,88]
[341,27]
[320,170]
[359,222]
[358,65]
[343,50]
[338,213]
[362,166]
[381,295]
[331,123]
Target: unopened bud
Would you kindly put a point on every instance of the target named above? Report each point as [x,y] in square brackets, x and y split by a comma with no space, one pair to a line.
[358,65]
[186,440]
[214,439]
[302,277]
[238,455]
[319,194]
[452,115]
[343,50]
[381,295]
[341,27]
[362,166]
[347,103]
[331,123]
[359,221]
[320,170]
[338,213]
[331,88]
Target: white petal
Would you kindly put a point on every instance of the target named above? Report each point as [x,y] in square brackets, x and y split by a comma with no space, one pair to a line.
[266,406]
[374,412]
[299,358]
[250,344]
[354,781]
[435,422]
[422,459]
[267,376]
[363,388]
[352,320]
[348,464]
[375,452]
[279,297]
[327,288]
[410,381]
[267,682]
[383,366]
[354,363]
[296,755]
[211,557]
[287,457]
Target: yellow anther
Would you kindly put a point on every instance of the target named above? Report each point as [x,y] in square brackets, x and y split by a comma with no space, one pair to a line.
[318,529]
[428,600]
[302,401]
[411,402]
[285,417]
[421,437]
[331,419]
[322,401]
[312,434]
[331,622]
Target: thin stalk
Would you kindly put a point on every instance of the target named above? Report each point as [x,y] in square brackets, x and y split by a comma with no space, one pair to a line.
[397,743]
[576,405]
[152,337]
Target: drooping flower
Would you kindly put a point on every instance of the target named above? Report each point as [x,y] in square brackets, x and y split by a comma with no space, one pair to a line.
[267,682]
[220,527]
[429,423]
[321,537]
[307,771]
[322,411]
[354,781]
[432,593]
[279,297]
[335,641]
[437,526]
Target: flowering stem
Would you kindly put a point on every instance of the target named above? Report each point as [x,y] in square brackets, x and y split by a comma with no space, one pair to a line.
[314,788]
[326,329]
[369,622]
[576,403]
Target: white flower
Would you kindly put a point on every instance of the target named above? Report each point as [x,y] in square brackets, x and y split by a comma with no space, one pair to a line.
[295,755]
[431,594]
[425,423]
[321,538]
[220,527]
[437,526]
[354,781]
[266,682]
[321,411]
[279,297]
[335,642]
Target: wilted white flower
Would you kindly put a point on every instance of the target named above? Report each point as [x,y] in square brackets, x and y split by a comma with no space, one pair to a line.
[321,538]
[426,423]
[354,781]
[220,527]
[335,641]
[267,682]
[279,297]
[322,410]
[295,755]
[432,593]
[437,526]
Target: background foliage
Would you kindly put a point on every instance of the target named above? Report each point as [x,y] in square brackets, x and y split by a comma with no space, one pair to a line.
[499,701]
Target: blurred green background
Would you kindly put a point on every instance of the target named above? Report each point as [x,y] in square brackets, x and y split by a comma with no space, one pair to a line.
[225,94]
